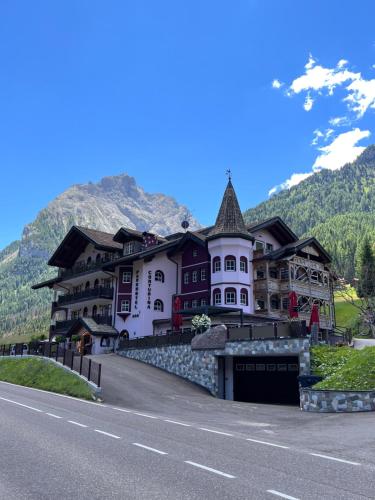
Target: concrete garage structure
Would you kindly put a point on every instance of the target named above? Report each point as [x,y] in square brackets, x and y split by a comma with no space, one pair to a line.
[252,370]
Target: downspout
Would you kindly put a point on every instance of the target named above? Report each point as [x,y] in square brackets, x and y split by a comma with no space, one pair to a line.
[174,262]
[115,305]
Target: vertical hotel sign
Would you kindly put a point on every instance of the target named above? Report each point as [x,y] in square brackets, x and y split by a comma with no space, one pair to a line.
[149,281]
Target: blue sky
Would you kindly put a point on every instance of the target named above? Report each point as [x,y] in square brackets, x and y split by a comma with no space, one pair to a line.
[174,93]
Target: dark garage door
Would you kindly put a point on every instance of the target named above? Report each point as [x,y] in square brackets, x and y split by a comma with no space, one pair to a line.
[266,379]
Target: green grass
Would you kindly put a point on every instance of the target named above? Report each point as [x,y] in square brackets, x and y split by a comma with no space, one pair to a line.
[42,374]
[346,313]
[344,368]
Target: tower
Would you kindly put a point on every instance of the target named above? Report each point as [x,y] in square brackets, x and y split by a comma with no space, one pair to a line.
[230,246]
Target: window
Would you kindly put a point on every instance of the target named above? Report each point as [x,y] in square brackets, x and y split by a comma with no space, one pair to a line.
[159,276]
[96,283]
[186,304]
[85,312]
[260,274]
[87,286]
[129,247]
[273,272]
[195,252]
[230,263]
[126,276]
[243,297]
[216,265]
[194,276]
[230,296]
[95,310]
[203,274]
[158,305]
[194,303]
[98,258]
[217,296]
[125,305]
[243,264]
[186,278]
[269,247]
[203,302]
[259,245]
[285,303]
[275,302]
[260,305]
[88,261]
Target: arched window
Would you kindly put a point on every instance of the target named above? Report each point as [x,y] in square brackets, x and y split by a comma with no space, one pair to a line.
[243,264]
[124,334]
[88,260]
[230,296]
[87,286]
[216,265]
[159,276]
[244,297]
[98,258]
[85,312]
[158,305]
[230,263]
[216,294]
[96,283]
[94,311]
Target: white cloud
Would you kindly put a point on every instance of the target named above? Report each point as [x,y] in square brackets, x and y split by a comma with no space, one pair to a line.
[362,96]
[342,63]
[338,121]
[293,180]
[317,135]
[343,149]
[276,84]
[309,101]
[310,63]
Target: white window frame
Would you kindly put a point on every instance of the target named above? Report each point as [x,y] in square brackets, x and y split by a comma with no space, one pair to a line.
[217,266]
[232,267]
[194,303]
[194,276]
[159,274]
[195,252]
[158,305]
[186,278]
[217,298]
[125,305]
[203,302]
[203,274]
[242,266]
[129,277]
[243,299]
[231,295]
[186,304]
[129,248]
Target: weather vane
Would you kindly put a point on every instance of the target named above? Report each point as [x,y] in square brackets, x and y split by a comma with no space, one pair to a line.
[229,174]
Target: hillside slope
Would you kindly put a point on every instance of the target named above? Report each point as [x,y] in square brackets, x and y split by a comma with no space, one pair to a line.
[113,202]
[338,207]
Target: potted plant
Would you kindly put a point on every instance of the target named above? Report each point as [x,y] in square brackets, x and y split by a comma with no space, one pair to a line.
[201,323]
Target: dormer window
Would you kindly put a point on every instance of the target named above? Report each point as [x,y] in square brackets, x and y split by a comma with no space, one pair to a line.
[129,248]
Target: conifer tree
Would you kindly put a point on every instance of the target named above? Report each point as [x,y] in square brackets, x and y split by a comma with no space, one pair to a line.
[366,278]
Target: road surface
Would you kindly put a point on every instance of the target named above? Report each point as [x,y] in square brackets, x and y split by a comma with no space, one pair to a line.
[168,439]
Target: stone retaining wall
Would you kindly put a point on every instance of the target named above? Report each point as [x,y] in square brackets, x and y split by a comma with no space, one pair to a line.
[336,401]
[201,365]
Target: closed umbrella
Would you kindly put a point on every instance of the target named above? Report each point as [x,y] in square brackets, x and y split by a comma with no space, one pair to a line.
[177,318]
[293,305]
[314,318]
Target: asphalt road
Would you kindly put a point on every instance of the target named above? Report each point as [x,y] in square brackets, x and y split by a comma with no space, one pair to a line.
[167,439]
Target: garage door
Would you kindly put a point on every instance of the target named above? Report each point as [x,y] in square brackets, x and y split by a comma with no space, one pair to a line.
[266,379]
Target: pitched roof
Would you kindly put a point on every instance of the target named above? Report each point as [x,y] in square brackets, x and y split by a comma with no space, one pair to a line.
[277,227]
[229,221]
[93,327]
[294,247]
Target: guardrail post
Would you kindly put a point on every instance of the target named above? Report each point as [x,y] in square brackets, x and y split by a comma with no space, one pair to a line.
[57,352]
[275,330]
[72,361]
[251,332]
[80,365]
[89,372]
[99,374]
[64,356]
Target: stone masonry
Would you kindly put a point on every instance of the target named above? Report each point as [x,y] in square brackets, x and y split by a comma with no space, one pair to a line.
[336,401]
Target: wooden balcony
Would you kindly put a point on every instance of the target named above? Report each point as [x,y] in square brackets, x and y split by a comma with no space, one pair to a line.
[99,292]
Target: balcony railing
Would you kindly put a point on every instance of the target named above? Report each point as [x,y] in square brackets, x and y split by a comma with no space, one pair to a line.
[99,292]
[83,267]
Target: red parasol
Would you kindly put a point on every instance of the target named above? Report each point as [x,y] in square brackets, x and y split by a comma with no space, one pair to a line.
[293,305]
[177,318]
[314,318]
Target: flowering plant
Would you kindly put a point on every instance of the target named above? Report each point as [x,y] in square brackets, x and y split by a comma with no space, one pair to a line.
[201,323]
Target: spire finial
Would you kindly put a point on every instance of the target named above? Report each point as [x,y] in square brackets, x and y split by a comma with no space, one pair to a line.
[229,174]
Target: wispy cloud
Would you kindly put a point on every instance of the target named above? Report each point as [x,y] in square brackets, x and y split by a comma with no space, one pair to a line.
[293,180]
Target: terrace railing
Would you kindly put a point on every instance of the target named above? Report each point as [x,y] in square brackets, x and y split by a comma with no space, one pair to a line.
[99,292]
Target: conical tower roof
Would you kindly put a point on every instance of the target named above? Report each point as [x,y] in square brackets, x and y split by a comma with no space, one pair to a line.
[229,221]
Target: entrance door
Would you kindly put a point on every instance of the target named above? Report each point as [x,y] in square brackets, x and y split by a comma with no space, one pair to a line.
[271,379]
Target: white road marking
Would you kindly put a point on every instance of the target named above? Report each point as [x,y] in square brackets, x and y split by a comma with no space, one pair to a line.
[215,471]
[121,409]
[107,434]
[334,458]
[55,394]
[281,495]
[177,423]
[150,449]
[53,415]
[268,444]
[20,404]
[215,432]
[143,415]
[76,423]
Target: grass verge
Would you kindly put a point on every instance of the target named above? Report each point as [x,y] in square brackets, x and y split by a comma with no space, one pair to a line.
[344,368]
[41,374]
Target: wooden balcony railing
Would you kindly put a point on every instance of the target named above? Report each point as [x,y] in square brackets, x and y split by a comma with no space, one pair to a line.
[99,292]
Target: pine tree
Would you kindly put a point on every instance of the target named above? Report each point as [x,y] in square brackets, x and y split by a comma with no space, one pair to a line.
[366,283]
